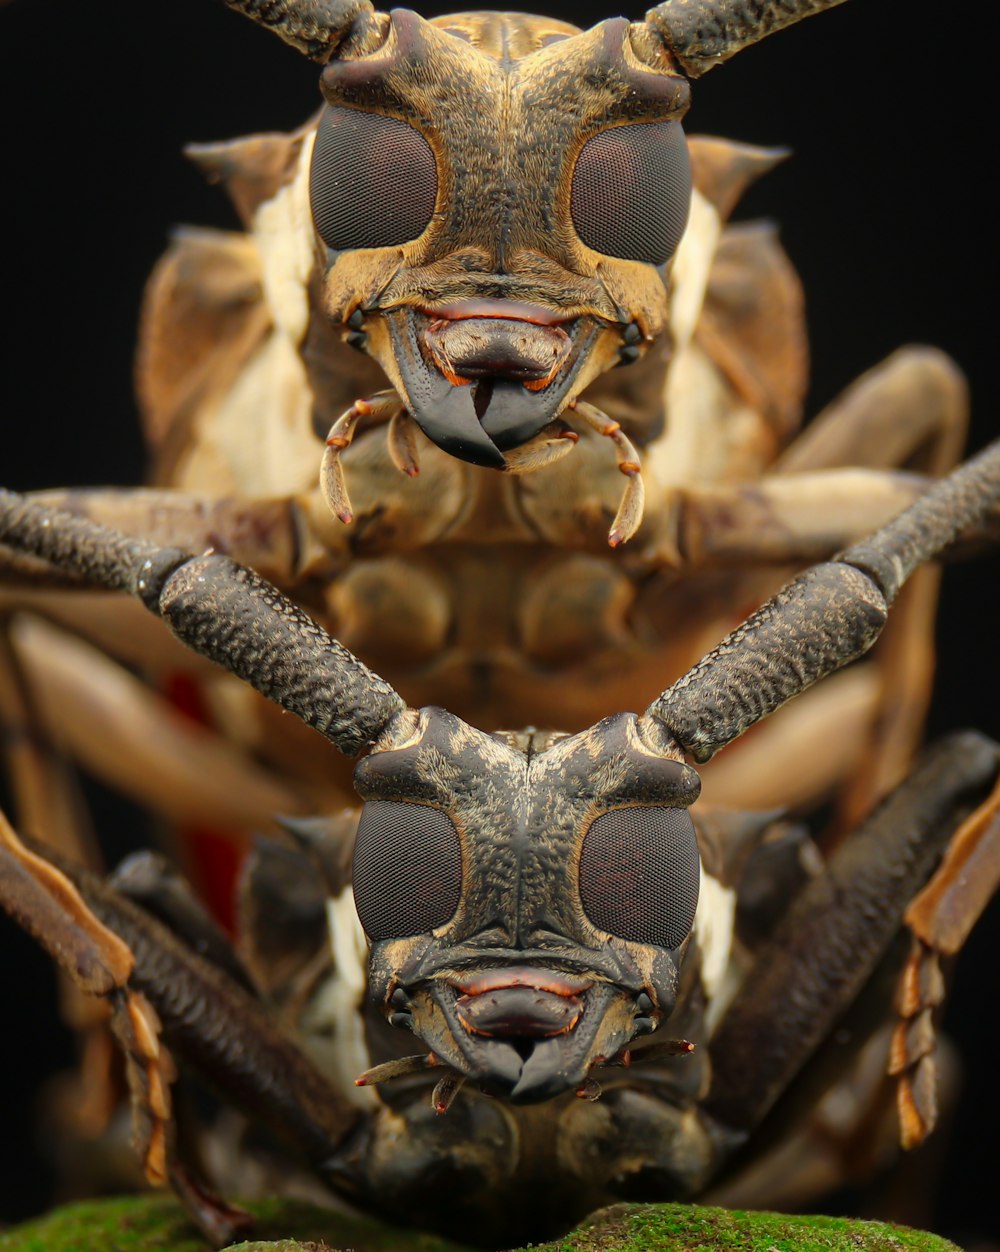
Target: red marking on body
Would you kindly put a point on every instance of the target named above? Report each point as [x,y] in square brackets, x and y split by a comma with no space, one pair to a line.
[456,380]
[211,857]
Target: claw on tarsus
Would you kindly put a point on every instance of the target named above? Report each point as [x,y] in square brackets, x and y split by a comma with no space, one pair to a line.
[589,1089]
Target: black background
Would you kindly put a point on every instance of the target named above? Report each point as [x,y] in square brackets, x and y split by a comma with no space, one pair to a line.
[886,210]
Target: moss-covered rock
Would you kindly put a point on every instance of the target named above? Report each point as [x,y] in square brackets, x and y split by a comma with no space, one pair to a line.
[158,1224]
[690,1228]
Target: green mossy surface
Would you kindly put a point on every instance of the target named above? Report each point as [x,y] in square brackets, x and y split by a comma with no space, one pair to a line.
[690,1228]
[158,1224]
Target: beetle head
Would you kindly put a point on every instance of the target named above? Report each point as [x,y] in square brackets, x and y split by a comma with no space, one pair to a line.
[527,897]
[496,203]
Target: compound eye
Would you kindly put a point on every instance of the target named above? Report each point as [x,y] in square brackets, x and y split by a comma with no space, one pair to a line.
[373,182]
[639,874]
[631,191]
[407,871]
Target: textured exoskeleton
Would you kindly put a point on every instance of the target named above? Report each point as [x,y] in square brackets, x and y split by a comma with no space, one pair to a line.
[496,594]
[532,906]
[494,296]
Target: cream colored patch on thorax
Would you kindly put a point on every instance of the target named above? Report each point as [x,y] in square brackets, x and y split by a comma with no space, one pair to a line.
[691,267]
[333,1025]
[706,427]
[285,237]
[713,930]
[259,440]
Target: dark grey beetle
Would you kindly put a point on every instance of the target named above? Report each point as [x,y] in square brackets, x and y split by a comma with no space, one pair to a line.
[530,899]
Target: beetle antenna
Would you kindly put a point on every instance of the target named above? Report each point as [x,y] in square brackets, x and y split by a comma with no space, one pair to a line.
[316,28]
[828,616]
[222,611]
[703,33]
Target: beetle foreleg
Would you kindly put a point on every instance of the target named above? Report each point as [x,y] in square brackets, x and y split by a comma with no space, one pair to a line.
[115,949]
[44,901]
[837,931]
[381,407]
[630,511]
[940,919]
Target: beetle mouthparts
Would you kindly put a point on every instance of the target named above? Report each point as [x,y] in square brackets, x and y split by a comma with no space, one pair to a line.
[520,1041]
[480,385]
[518,1012]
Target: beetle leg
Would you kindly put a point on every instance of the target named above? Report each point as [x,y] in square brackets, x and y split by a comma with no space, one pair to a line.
[220,1223]
[837,931]
[793,519]
[841,478]
[48,802]
[844,1135]
[46,797]
[384,406]
[114,948]
[630,510]
[940,918]
[43,900]
[150,881]
[909,410]
[269,534]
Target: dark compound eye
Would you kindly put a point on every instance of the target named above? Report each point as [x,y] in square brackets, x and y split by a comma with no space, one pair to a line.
[631,191]
[373,181]
[407,869]
[639,874]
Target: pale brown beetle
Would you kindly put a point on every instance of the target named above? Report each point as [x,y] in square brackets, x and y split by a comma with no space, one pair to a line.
[555,716]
